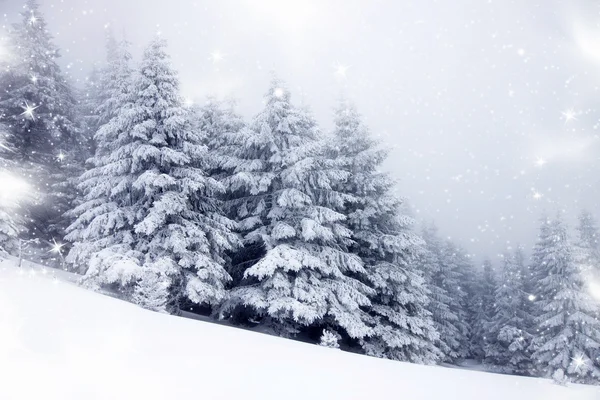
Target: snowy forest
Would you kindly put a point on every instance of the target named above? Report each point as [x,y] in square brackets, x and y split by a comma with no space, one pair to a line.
[269,223]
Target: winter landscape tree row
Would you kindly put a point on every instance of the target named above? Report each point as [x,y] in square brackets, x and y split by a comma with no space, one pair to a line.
[269,223]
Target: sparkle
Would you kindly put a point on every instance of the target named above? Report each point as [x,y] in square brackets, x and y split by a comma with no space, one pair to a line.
[569,115]
[56,247]
[34,78]
[278,92]
[540,162]
[340,70]
[531,297]
[61,156]
[216,56]
[579,361]
[28,111]
[33,19]
[521,52]
[537,195]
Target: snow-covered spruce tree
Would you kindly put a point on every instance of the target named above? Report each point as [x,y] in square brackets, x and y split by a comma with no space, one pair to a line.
[149,220]
[587,246]
[481,308]
[403,329]
[456,265]
[508,330]
[109,95]
[281,192]
[100,97]
[438,262]
[38,106]
[218,120]
[567,335]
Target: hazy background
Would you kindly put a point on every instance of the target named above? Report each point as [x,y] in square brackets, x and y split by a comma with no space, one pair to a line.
[490,106]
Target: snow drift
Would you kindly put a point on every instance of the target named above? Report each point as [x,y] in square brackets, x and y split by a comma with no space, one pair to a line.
[59,341]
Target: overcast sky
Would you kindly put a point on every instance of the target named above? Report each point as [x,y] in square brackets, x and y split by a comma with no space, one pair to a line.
[490,106]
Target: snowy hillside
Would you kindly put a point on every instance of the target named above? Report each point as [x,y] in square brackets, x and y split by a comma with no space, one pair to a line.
[59,341]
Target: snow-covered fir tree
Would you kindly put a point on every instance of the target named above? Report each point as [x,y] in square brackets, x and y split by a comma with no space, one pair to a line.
[480,308]
[219,120]
[149,219]
[508,330]
[403,328]
[587,246]
[456,265]
[567,335]
[438,262]
[299,273]
[38,106]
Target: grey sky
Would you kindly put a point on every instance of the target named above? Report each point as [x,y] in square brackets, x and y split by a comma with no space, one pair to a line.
[486,103]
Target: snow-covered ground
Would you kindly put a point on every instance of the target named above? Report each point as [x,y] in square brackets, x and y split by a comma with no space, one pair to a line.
[59,341]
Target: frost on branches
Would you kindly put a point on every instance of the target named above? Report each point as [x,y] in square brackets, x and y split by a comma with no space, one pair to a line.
[281,192]
[403,329]
[148,200]
[567,335]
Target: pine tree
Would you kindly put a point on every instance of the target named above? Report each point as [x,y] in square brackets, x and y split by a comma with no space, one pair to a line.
[38,105]
[481,308]
[299,273]
[567,335]
[148,200]
[438,263]
[508,330]
[403,329]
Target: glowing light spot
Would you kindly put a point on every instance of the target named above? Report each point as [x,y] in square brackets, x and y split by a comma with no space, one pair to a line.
[341,70]
[279,92]
[216,56]
[13,189]
[531,297]
[569,115]
[540,162]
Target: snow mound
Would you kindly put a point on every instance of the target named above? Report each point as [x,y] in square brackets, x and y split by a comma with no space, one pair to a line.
[59,341]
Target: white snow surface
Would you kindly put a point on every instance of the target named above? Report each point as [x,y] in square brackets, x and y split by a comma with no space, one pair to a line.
[60,341]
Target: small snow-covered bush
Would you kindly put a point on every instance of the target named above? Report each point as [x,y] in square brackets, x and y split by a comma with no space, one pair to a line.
[330,339]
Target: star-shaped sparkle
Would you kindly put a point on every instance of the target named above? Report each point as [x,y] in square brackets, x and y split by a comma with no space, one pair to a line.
[56,247]
[216,56]
[29,111]
[569,115]
[341,70]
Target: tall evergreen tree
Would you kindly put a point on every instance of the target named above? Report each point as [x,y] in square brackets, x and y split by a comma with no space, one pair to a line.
[38,105]
[481,307]
[149,216]
[281,191]
[403,328]
[567,335]
[508,330]
[587,246]
[438,263]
